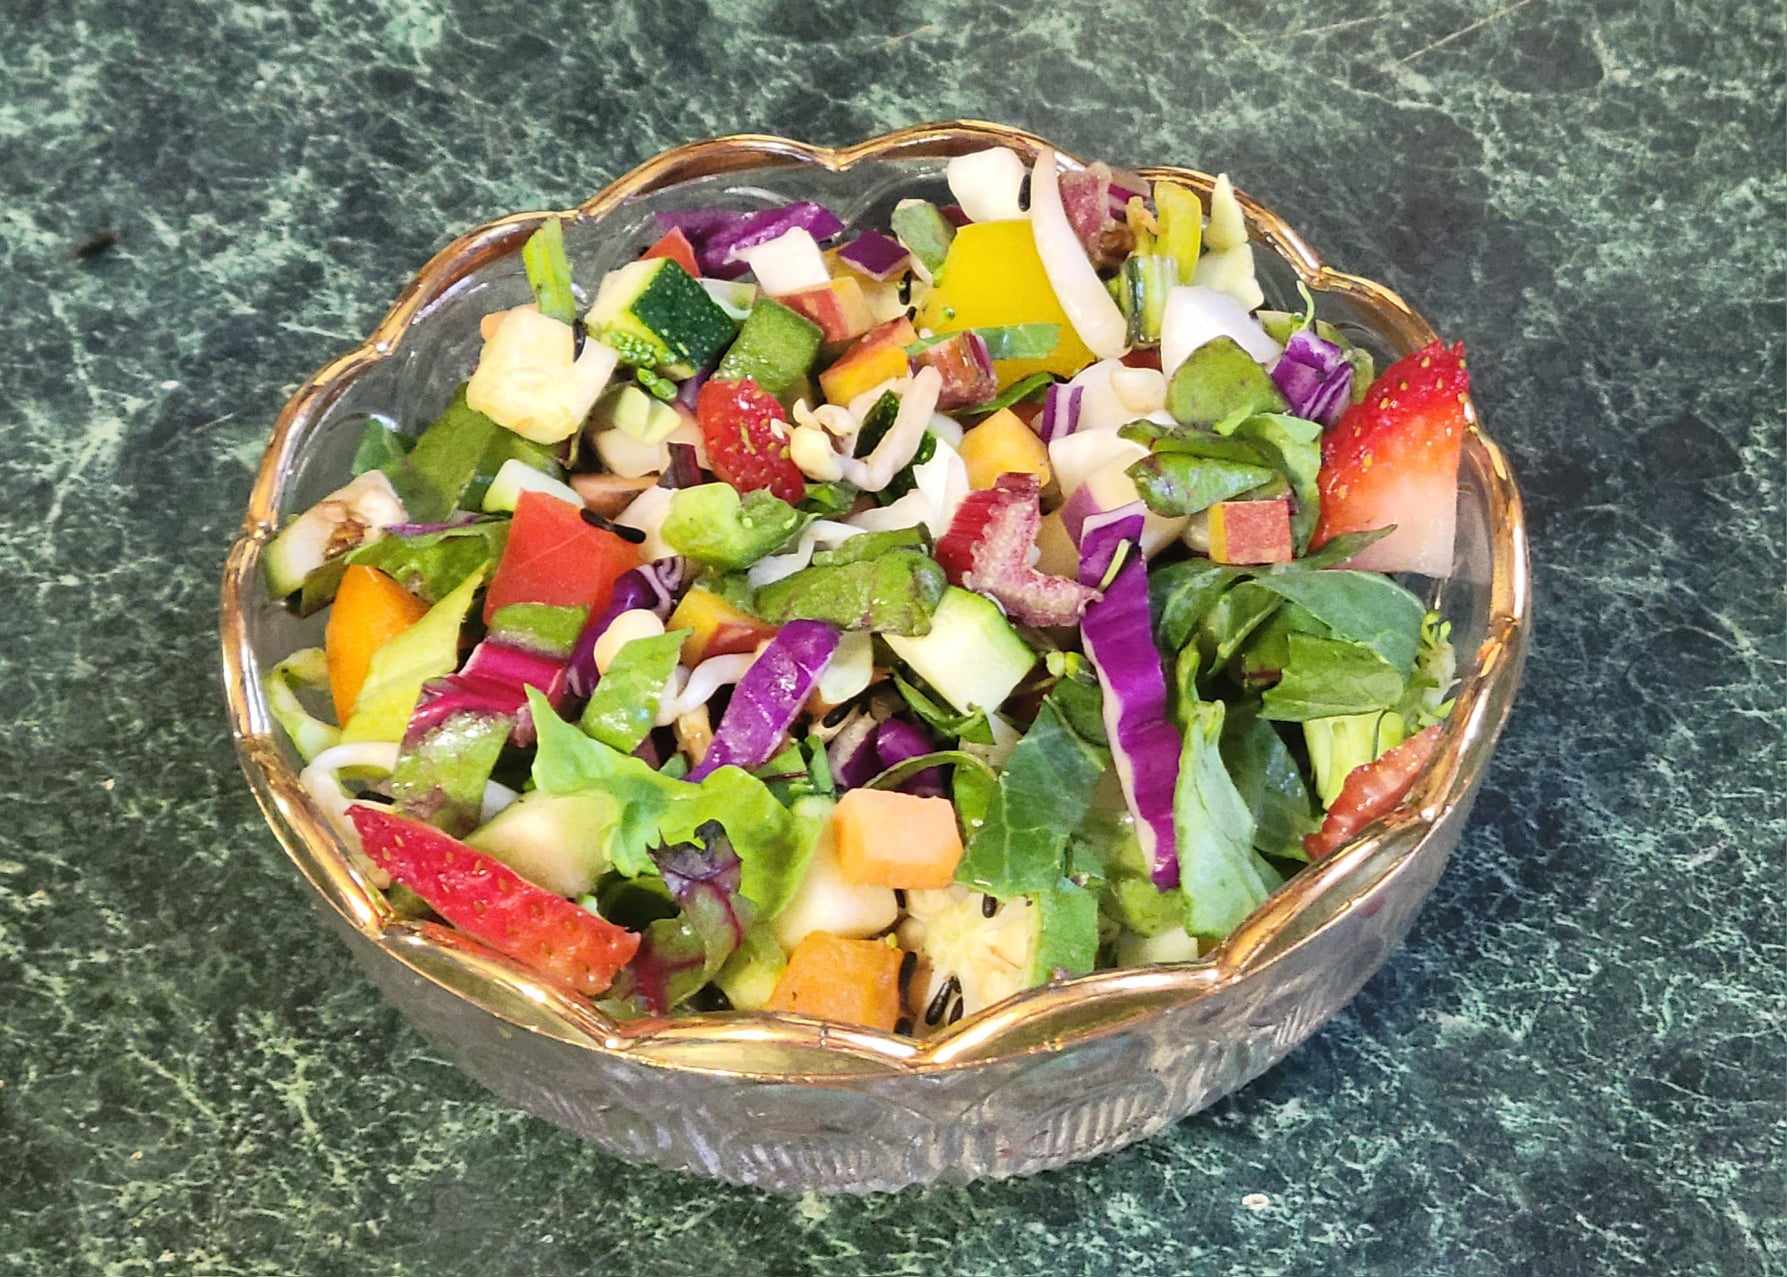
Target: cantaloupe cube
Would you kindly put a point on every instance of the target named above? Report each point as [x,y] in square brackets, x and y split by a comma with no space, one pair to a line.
[889,839]
[846,981]
[1003,444]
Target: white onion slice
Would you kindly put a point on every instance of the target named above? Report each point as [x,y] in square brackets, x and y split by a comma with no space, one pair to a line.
[787,264]
[1082,294]
[897,446]
[986,184]
[1195,315]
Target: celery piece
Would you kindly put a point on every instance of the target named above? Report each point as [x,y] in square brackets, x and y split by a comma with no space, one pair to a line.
[549,271]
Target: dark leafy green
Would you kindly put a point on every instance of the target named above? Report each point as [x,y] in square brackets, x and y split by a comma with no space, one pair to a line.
[1329,676]
[1019,390]
[1041,797]
[1358,607]
[943,720]
[893,593]
[1267,777]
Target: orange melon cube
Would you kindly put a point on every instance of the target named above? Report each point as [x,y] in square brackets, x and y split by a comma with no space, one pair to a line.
[846,981]
[889,839]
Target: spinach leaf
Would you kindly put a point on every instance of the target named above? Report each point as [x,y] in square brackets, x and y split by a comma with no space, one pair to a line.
[380,448]
[1214,831]
[1017,392]
[1230,621]
[1181,593]
[1042,795]
[1269,782]
[1358,607]
[1330,676]
[906,768]
[624,705]
[1298,444]
[942,720]
[430,564]
[1334,551]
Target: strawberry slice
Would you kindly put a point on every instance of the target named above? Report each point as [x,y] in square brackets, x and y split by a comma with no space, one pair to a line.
[987,548]
[1393,459]
[746,433]
[1371,790]
[489,901]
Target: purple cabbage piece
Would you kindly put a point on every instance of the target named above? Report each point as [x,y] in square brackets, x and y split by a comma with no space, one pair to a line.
[1314,377]
[679,955]
[719,236]
[896,740]
[851,755]
[651,585]
[492,683]
[690,391]
[769,696]
[1119,639]
[1060,415]
[876,255]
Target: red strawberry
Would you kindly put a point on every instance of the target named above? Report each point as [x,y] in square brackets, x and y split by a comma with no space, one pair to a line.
[1371,790]
[489,901]
[1394,459]
[746,433]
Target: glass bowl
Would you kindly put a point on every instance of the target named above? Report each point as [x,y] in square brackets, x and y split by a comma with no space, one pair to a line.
[1051,1076]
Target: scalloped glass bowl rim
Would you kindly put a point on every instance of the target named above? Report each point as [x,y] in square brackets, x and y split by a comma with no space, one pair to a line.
[1482,700]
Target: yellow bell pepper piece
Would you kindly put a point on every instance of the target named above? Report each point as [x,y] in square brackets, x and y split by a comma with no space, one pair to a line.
[991,277]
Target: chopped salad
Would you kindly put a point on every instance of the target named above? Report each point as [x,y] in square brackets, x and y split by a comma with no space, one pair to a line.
[870,625]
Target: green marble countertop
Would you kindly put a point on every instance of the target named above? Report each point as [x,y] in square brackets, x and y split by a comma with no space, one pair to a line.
[1574,1067]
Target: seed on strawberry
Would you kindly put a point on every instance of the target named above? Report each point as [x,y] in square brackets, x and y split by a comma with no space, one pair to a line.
[746,434]
[489,901]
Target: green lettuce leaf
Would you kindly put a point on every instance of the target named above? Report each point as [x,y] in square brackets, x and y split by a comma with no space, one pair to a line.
[1067,932]
[568,762]
[624,705]
[1357,607]
[432,564]
[428,649]
[773,844]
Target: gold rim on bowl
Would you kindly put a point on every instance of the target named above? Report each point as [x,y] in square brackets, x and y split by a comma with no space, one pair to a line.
[1039,1019]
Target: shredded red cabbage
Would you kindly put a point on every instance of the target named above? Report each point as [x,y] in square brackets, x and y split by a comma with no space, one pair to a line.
[769,696]
[1119,640]
[719,236]
[852,755]
[492,683]
[987,548]
[1060,415]
[1314,377]
[876,255]
[896,740]
[653,585]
